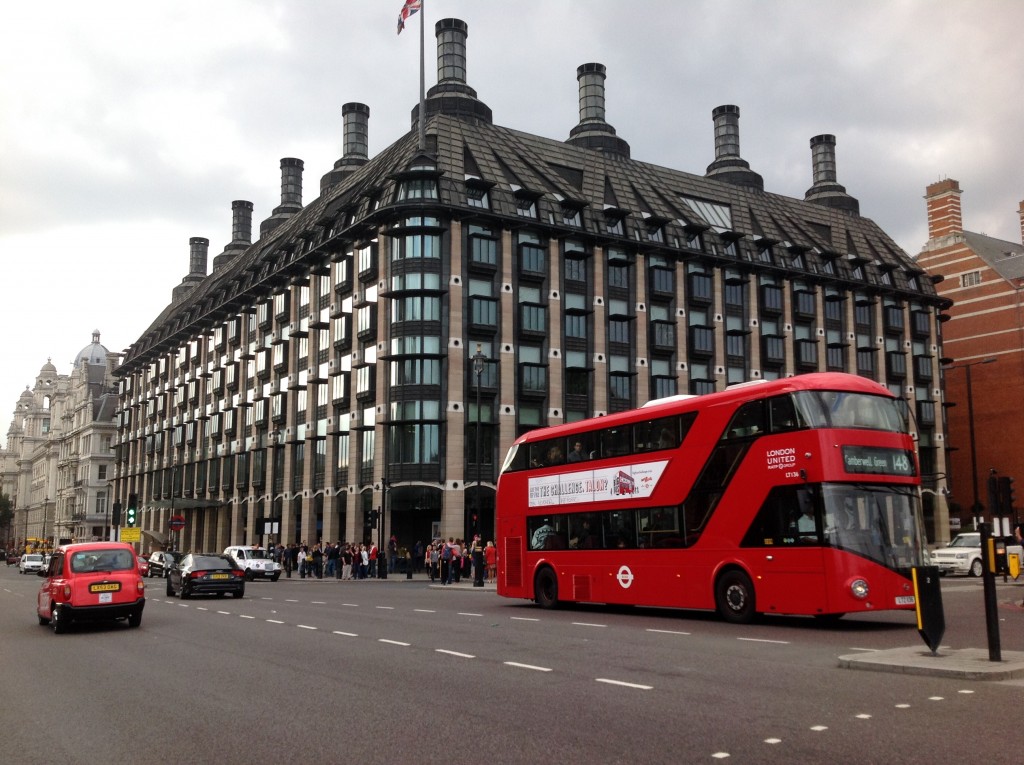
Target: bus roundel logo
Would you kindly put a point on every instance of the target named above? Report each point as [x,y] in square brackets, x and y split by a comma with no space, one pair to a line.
[625,577]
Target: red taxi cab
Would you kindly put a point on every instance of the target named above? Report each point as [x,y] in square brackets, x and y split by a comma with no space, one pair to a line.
[91,581]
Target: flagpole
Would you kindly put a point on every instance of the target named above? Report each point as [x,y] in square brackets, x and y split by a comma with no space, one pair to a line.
[423,97]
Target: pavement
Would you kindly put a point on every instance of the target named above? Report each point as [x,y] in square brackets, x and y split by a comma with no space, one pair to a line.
[962,663]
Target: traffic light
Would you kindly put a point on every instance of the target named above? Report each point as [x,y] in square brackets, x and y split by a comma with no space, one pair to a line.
[131,514]
[116,521]
[367,517]
[375,516]
[1006,495]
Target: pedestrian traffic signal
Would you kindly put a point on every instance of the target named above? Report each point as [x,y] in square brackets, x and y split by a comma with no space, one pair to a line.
[131,514]
[117,514]
[1006,495]
[367,517]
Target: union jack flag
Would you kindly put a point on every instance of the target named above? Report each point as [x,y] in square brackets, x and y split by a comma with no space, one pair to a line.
[410,7]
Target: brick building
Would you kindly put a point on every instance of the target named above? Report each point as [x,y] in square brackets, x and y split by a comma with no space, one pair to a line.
[983,343]
[382,346]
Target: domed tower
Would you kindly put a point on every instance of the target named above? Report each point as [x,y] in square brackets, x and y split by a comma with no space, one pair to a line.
[93,353]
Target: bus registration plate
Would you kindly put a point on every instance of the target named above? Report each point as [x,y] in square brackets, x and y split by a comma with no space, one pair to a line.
[904,600]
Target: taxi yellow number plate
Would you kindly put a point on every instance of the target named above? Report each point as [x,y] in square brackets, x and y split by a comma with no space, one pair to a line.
[105,587]
[220,576]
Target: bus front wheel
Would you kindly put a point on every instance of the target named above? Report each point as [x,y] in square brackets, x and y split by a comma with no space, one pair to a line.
[734,597]
[545,588]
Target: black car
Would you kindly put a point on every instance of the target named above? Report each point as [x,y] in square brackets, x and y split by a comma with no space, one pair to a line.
[162,561]
[205,574]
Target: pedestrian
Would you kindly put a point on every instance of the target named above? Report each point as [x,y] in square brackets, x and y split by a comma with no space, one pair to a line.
[332,560]
[392,554]
[364,561]
[302,562]
[491,557]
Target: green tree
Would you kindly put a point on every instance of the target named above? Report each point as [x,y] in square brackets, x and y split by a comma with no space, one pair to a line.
[6,517]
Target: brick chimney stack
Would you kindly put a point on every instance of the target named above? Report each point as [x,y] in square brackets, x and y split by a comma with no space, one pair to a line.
[943,200]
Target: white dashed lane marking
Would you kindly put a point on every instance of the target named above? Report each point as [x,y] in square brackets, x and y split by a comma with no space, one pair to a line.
[393,642]
[624,684]
[527,666]
[455,653]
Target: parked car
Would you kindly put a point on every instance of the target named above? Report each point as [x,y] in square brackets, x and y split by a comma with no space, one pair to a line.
[143,566]
[13,559]
[255,561]
[30,563]
[963,554]
[206,574]
[91,581]
[161,561]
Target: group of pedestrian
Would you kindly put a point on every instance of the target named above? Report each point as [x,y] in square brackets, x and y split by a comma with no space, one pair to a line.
[337,560]
[448,561]
[454,560]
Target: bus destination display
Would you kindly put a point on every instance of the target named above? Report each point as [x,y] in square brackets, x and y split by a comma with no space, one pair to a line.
[878,460]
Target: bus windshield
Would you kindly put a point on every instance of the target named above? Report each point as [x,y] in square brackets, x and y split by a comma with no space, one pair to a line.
[882,523]
[840,409]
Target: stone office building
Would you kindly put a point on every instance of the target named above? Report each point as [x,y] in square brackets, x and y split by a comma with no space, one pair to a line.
[382,346]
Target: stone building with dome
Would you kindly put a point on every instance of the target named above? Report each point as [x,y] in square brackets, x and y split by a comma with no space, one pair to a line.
[58,462]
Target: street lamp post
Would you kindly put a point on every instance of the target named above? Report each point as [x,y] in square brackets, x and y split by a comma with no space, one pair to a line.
[46,501]
[479,359]
[976,506]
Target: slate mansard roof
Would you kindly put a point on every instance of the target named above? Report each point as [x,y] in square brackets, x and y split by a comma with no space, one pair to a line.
[558,175]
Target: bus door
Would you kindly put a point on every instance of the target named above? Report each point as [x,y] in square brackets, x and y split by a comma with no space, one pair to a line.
[785,553]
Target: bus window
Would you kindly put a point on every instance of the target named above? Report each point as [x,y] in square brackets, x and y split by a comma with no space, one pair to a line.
[788,516]
[662,433]
[619,529]
[782,414]
[580,448]
[748,421]
[616,442]
[659,527]
[547,532]
[585,531]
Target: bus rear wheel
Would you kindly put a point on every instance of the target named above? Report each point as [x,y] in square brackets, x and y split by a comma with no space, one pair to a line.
[545,588]
[734,597]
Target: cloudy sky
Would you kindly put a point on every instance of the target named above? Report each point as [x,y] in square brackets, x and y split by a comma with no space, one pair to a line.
[127,127]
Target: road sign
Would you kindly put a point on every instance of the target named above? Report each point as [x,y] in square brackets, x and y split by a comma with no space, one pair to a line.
[177,522]
[131,535]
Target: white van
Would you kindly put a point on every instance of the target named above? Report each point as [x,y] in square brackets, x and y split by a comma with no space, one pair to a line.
[256,562]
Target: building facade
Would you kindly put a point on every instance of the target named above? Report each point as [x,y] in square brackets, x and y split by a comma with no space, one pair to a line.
[380,348]
[983,346]
[59,462]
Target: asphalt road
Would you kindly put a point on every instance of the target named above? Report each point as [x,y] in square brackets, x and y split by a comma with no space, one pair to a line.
[399,671]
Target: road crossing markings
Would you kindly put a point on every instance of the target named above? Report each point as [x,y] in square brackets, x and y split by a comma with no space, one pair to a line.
[624,684]
[527,666]
[455,653]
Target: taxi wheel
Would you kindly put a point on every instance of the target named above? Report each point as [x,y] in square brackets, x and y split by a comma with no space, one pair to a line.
[249,576]
[135,618]
[59,627]
[42,620]
[170,589]
[238,593]
[275,577]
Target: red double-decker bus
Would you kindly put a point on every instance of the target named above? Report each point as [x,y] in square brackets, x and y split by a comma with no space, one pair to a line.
[796,496]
